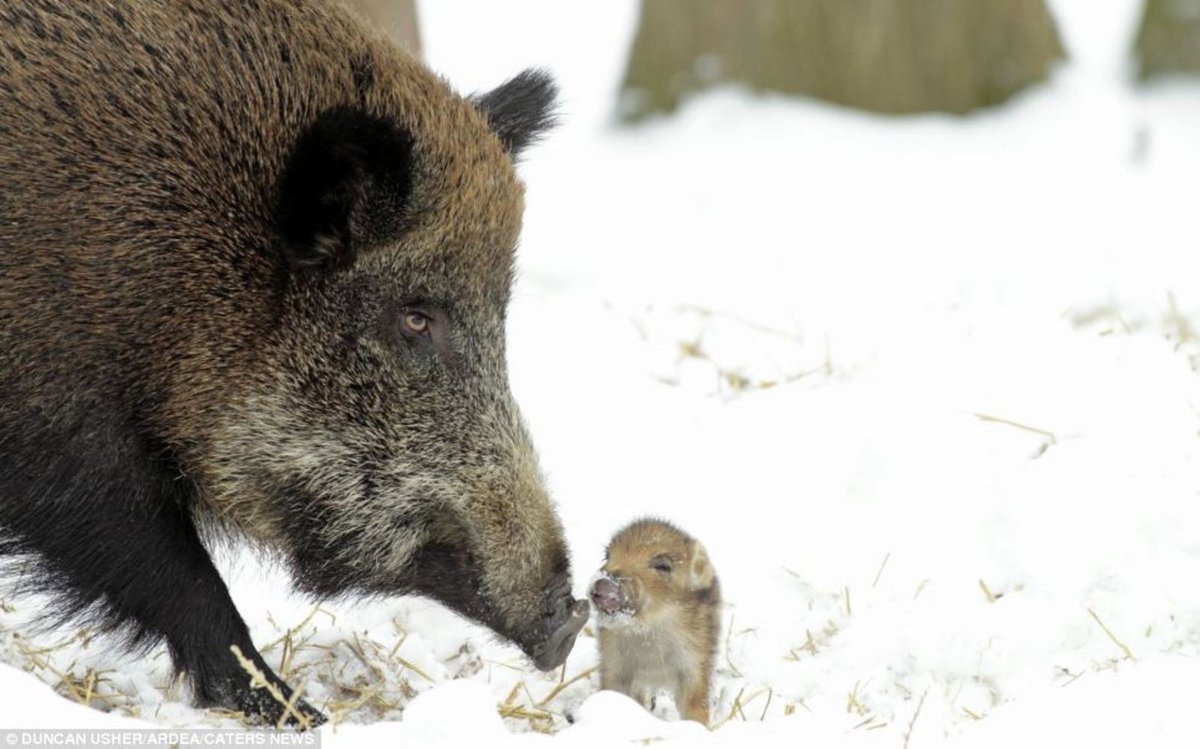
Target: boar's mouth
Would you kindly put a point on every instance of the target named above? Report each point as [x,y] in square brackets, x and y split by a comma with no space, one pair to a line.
[553,652]
[443,571]
[563,618]
[450,576]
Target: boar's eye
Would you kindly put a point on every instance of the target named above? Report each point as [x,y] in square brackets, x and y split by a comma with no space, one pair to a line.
[414,323]
[661,564]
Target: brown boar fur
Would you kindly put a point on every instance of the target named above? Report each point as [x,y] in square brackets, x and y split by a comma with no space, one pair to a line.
[215,220]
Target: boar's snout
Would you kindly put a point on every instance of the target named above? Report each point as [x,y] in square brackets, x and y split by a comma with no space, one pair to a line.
[563,618]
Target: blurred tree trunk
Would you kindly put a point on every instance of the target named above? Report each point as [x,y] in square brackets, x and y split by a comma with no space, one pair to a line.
[1168,40]
[893,56]
[397,17]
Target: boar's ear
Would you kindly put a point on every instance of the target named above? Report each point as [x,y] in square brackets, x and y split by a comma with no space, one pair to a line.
[346,183]
[521,110]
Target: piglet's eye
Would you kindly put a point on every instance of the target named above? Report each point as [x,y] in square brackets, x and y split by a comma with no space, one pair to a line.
[661,564]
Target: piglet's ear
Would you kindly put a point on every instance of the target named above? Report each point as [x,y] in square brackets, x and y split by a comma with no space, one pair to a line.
[346,183]
[521,110]
[701,572]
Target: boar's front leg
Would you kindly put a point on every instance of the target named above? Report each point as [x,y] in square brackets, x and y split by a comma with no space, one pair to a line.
[189,604]
[110,526]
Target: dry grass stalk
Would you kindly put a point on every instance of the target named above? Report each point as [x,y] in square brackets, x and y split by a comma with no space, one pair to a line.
[538,718]
[339,709]
[872,723]
[732,381]
[1017,425]
[1124,648]
[811,643]
[770,696]
[852,703]
[728,656]
[987,592]
[282,639]
[912,723]
[563,685]
[882,564]
[1183,329]
[396,648]
[707,312]
[736,710]
[84,689]
[259,681]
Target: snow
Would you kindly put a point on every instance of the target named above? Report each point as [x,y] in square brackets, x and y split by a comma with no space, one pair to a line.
[924,387]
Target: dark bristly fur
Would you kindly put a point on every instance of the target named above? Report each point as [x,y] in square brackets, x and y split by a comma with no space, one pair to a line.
[254,266]
[518,110]
[349,172]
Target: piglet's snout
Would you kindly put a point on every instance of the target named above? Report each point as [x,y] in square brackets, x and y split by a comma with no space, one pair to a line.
[606,596]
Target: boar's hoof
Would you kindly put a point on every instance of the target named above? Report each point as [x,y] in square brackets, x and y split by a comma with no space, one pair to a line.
[259,706]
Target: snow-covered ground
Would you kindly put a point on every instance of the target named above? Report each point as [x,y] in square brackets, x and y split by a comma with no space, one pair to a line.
[926,388]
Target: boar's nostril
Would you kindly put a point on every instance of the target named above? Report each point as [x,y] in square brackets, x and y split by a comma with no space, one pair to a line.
[557,596]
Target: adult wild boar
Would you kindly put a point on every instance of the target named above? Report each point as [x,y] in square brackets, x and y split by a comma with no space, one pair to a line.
[254,266]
